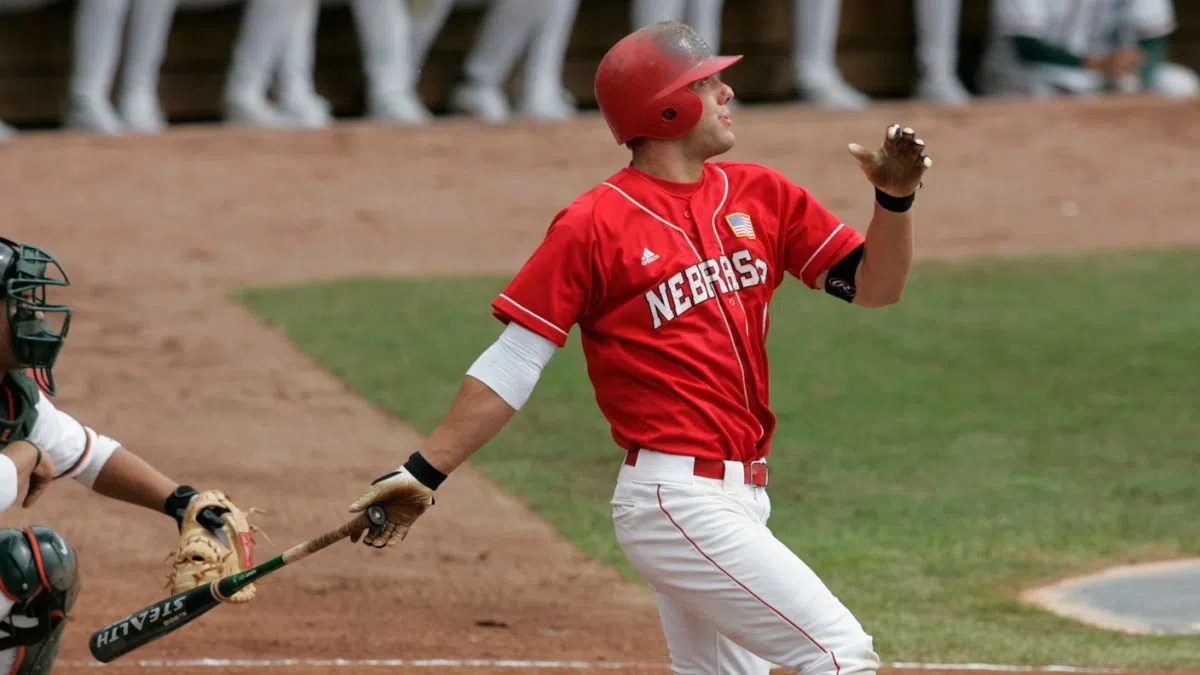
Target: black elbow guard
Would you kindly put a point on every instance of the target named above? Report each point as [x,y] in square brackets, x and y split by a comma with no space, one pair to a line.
[839,281]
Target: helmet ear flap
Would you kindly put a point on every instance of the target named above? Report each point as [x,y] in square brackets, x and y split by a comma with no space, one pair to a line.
[678,114]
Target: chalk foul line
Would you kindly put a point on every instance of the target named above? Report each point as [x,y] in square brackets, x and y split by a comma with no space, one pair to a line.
[519,664]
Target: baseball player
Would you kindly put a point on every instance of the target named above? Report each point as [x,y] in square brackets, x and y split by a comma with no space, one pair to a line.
[39,573]
[669,267]
[1082,47]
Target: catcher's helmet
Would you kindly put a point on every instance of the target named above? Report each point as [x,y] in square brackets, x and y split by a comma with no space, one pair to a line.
[38,328]
[642,82]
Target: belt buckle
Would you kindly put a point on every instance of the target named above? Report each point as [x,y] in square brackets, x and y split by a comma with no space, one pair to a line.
[758,474]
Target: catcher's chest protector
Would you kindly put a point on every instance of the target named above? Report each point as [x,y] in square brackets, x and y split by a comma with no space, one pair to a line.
[40,570]
[18,406]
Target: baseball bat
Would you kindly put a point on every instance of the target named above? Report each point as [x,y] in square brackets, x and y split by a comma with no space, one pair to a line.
[154,621]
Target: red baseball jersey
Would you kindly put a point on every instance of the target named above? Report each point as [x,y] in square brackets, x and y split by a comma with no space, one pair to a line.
[670,285]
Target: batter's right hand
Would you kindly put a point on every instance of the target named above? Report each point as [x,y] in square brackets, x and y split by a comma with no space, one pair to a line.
[403,498]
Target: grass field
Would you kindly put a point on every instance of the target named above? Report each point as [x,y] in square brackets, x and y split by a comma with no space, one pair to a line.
[1010,422]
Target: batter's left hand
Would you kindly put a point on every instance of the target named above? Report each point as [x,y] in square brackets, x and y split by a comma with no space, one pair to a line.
[898,165]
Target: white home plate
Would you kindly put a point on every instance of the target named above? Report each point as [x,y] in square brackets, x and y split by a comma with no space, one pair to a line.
[1160,598]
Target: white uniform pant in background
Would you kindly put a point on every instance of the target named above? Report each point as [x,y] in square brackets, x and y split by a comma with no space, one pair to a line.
[539,30]
[704,16]
[732,598]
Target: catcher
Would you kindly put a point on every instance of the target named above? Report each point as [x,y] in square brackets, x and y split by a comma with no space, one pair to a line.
[40,444]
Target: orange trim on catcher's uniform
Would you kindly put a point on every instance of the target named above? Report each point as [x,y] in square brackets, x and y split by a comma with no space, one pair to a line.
[753,473]
[88,434]
[18,661]
[12,412]
[37,557]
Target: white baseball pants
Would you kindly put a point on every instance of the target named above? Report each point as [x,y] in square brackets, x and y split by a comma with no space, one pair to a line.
[732,598]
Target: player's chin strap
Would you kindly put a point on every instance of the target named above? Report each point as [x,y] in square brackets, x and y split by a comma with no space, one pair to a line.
[41,623]
[39,644]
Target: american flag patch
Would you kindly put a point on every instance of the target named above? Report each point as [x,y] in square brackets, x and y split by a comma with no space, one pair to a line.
[741,225]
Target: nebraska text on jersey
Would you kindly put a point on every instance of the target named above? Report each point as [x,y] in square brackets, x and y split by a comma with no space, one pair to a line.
[634,254]
[700,282]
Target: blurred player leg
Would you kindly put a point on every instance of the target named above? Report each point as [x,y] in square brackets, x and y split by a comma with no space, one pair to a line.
[428,18]
[385,35]
[646,12]
[544,96]
[814,56]
[298,97]
[1001,72]
[1174,81]
[99,25]
[507,30]
[937,51]
[705,17]
[258,50]
[149,28]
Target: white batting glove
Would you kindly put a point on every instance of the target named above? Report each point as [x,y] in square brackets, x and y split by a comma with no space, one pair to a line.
[403,497]
[897,167]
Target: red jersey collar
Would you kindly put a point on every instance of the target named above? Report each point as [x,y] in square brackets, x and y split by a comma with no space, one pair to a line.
[682,190]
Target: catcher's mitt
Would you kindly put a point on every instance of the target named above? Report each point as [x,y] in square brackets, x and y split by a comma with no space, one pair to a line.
[216,539]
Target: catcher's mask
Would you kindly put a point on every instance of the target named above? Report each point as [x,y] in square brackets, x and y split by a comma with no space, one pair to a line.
[37,327]
[642,82]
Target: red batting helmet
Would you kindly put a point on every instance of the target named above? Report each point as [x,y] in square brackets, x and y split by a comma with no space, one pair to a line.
[642,82]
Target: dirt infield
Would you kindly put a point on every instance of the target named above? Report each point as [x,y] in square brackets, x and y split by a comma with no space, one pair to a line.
[154,231]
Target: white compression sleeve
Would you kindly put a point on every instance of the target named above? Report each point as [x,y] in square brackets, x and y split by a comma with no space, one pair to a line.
[9,487]
[512,365]
[78,451]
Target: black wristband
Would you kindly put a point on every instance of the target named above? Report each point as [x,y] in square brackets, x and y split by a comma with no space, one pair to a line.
[894,204]
[423,471]
[177,502]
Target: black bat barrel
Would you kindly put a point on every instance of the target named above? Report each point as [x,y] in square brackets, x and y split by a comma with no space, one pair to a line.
[150,623]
